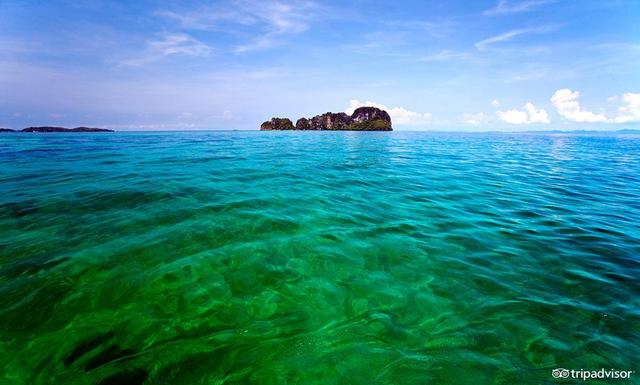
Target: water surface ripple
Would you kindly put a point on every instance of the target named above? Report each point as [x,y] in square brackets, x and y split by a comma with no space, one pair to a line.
[317,258]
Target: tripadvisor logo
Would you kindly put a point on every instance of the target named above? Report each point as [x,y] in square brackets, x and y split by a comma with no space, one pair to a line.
[587,374]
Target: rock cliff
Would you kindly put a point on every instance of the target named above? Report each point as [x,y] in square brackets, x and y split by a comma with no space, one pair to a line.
[277,124]
[362,119]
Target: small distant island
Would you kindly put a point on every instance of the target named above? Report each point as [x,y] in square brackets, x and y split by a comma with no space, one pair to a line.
[362,119]
[57,129]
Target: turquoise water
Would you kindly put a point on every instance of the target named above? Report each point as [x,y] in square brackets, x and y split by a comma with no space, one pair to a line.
[317,257]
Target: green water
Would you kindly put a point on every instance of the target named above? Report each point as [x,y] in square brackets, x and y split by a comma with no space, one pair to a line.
[317,258]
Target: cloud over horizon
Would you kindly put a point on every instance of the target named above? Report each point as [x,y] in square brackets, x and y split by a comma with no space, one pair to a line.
[630,112]
[399,115]
[567,105]
[530,114]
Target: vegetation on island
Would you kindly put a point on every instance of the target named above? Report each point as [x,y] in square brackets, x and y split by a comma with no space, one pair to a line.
[362,119]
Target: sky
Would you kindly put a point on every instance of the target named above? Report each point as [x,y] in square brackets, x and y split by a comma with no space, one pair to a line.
[511,65]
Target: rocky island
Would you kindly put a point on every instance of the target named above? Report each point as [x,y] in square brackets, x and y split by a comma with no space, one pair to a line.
[63,129]
[57,129]
[362,119]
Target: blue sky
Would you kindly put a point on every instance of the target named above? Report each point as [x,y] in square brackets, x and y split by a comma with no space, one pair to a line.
[434,65]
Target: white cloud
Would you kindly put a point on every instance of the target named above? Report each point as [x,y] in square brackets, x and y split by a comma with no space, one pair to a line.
[495,103]
[179,44]
[267,20]
[259,43]
[510,35]
[277,16]
[567,105]
[398,115]
[505,7]
[168,45]
[445,55]
[529,115]
[282,16]
[630,112]
[474,119]
[482,44]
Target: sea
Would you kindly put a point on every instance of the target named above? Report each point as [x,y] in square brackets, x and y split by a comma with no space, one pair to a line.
[282,258]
